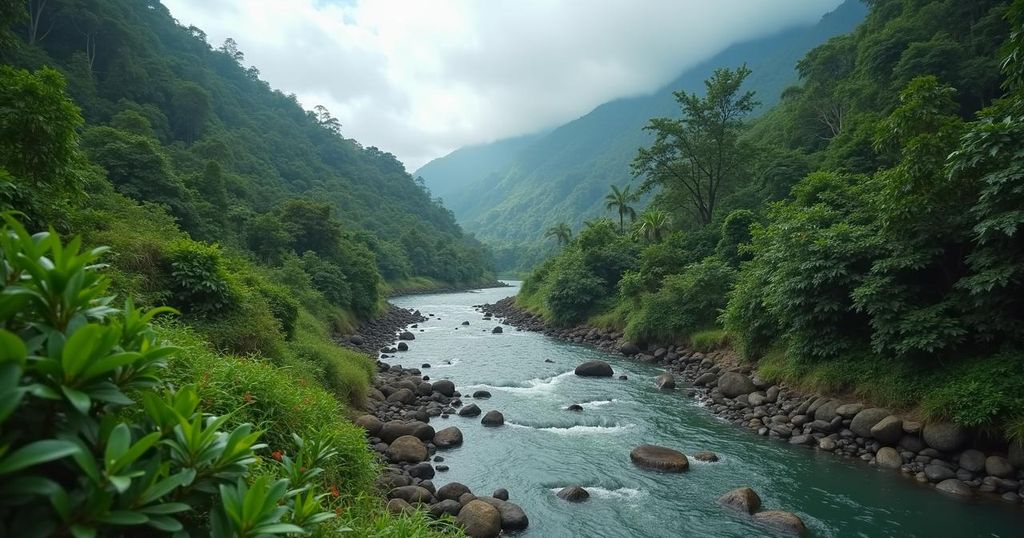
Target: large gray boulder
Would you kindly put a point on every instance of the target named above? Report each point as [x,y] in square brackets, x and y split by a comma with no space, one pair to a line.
[945,436]
[480,520]
[953,486]
[743,499]
[866,419]
[573,494]
[629,348]
[452,491]
[594,369]
[665,381]
[493,418]
[406,335]
[732,384]
[827,411]
[998,466]
[787,522]
[888,458]
[659,458]
[406,449]
[370,423]
[412,494]
[973,460]
[448,437]
[513,518]
[393,429]
[445,387]
[446,507]
[403,395]
[888,431]
[471,410]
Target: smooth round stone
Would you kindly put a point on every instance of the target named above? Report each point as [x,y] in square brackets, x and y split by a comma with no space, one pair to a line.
[659,458]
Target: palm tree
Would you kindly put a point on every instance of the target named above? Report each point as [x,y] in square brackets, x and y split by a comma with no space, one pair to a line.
[619,201]
[652,224]
[562,233]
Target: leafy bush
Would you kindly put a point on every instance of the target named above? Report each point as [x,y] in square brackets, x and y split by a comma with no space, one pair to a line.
[79,458]
[735,234]
[685,303]
[199,281]
[573,290]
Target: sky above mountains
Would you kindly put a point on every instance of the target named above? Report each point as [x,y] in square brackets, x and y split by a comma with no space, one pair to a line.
[422,78]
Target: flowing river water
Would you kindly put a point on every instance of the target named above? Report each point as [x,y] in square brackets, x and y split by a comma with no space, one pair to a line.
[543,447]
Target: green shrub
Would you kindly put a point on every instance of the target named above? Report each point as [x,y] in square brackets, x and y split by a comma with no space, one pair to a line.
[345,372]
[710,340]
[199,281]
[686,302]
[79,457]
[327,278]
[573,290]
[735,234]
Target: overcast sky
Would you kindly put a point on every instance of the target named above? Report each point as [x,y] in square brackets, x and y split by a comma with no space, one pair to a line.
[420,78]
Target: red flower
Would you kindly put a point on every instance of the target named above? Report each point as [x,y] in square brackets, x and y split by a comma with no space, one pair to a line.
[277,455]
[248,398]
[334,492]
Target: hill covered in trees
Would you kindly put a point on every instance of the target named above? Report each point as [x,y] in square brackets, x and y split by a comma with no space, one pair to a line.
[519,190]
[863,235]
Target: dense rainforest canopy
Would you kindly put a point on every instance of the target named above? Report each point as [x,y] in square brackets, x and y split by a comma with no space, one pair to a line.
[864,234]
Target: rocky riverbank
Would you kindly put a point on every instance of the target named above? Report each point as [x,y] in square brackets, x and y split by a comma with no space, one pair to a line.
[956,461]
[447,289]
[401,404]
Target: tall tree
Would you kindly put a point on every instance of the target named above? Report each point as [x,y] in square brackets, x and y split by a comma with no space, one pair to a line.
[191,104]
[619,200]
[697,156]
[561,233]
[653,224]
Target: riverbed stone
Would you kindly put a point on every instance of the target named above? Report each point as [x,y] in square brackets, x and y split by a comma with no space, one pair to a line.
[732,384]
[448,437]
[998,466]
[888,431]
[594,369]
[1015,454]
[500,493]
[481,394]
[629,348]
[665,381]
[403,395]
[973,460]
[480,520]
[399,506]
[913,443]
[452,491]
[573,494]
[411,494]
[938,473]
[370,423]
[954,487]
[827,411]
[744,499]
[447,507]
[945,436]
[445,387]
[513,518]
[574,407]
[866,419]
[781,520]
[497,330]
[402,346]
[406,335]
[706,456]
[888,458]
[423,471]
[493,418]
[471,410]
[849,410]
[659,458]
[407,449]
[705,379]
[827,444]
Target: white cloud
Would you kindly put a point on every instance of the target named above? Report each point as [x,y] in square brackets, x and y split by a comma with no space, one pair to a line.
[421,78]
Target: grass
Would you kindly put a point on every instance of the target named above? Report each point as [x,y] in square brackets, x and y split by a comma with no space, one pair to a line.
[709,340]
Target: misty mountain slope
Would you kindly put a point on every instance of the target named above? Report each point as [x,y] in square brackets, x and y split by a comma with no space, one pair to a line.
[564,174]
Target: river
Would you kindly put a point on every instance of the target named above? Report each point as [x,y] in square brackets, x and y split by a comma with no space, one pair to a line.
[543,447]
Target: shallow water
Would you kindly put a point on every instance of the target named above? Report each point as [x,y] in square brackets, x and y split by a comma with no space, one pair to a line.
[543,447]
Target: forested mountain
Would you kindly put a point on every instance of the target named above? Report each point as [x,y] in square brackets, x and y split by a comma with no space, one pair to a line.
[564,174]
[863,236]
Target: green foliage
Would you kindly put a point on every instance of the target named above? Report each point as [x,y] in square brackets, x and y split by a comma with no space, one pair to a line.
[562,233]
[618,201]
[711,340]
[685,303]
[573,290]
[199,279]
[735,234]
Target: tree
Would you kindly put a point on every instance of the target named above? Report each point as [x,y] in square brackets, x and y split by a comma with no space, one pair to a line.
[326,120]
[312,227]
[562,233]
[191,106]
[652,225]
[619,200]
[699,155]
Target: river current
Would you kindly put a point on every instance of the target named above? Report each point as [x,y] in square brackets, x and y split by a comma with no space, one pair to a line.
[543,447]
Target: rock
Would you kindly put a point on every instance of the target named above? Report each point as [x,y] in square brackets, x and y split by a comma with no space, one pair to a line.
[407,449]
[393,429]
[787,522]
[493,418]
[911,427]
[444,387]
[370,423]
[623,377]
[573,494]
[466,498]
[665,381]
[500,493]
[938,473]
[406,335]
[954,487]
[659,458]
[447,507]
[402,346]
[574,407]
[465,323]
[973,460]
[399,506]
[513,518]
[888,458]
[827,443]
[411,494]
[452,491]
[945,436]
[629,348]
[866,419]
[1015,454]
[827,411]
[594,369]
[706,456]
[732,384]
[998,466]
[849,410]
[888,431]
[480,520]
[802,439]
[912,443]
[356,340]
[743,499]
[481,394]
[496,330]
[423,471]
[448,437]
[403,395]
[470,410]
[704,379]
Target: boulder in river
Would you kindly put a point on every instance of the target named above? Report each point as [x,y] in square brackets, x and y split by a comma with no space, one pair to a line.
[406,335]
[973,460]
[629,348]
[744,499]
[452,491]
[732,384]
[465,323]
[944,436]
[481,394]
[448,437]
[706,456]
[496,330]
[445,387]
[954,487]
[594,369]
[888,458]
[493,418]
[659,458]
[480,520]
[513,518]
[402,346]
[888,431]
[787,522]
[575,407]
[471,410]
[500,493]
[573,494]
[447,507]
[402,395]
[407,449]
[998,466]
[665,381]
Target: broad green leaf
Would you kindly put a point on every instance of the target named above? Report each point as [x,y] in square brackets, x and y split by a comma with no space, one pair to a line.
[36,453]
[124,517]
[117,444]
[79,399]
[11,348]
